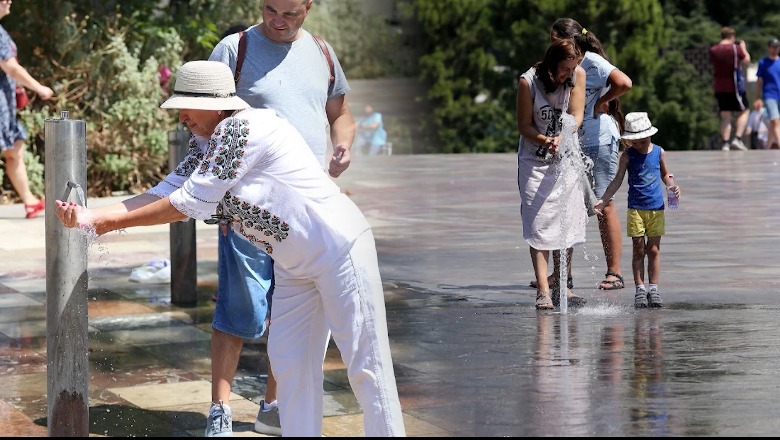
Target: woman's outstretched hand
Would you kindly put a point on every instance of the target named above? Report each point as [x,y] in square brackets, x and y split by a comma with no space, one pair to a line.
[73,215]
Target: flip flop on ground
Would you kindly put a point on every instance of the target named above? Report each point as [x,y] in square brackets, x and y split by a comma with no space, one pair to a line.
[608,284]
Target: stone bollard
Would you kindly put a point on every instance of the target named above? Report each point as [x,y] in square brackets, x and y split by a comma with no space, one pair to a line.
[184,267]
[66,283]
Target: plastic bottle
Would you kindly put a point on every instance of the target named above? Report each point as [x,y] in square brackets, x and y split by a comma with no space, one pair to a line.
[673,201]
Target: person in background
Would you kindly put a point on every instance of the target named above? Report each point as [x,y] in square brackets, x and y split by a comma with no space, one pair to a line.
[758,127]
[550,106]
[283,69]
[600,137]
[723,57]
[648,179]
[12,133]
[372,131]
[272,190]
[767,89]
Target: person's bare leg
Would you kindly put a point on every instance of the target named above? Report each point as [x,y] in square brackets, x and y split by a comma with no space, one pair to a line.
[270,386]
[556,271]
[774,131]
[611,238]
[725,126]
[225,353]
[539,260]
[17,172]
[638,260]
[741,123]
[653,259]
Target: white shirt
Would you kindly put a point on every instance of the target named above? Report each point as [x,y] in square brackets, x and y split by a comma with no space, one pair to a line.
[268,179]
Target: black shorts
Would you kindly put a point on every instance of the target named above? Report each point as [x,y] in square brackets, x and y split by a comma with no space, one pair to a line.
[728,102]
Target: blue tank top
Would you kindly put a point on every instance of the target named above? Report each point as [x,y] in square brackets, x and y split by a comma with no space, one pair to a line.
[644,179]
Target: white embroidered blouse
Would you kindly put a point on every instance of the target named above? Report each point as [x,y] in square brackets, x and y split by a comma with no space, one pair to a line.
[267,179]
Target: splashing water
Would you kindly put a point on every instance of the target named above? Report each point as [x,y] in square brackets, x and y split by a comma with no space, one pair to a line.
[571,168]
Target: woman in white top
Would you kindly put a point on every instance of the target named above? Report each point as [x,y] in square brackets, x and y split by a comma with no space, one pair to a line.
[271,188]
[600,134]
[550,102]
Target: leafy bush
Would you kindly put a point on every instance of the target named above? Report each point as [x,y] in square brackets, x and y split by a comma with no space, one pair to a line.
[102,59]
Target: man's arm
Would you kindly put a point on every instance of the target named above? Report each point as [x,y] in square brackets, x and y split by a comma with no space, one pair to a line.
[342,133]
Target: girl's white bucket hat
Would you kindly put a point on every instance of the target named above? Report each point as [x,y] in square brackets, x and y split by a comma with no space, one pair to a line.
[205,85]
[638,126]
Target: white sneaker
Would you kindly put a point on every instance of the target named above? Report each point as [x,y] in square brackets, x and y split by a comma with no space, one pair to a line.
[737,144]
[154,272]
[725,146]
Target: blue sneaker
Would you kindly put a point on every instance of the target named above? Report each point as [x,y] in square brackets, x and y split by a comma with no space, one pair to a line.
[220,421]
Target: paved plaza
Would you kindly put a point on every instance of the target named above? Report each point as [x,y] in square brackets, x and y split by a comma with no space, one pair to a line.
[472,356]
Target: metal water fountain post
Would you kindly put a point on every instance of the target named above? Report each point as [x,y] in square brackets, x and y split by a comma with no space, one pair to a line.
[184,267]
[66,283]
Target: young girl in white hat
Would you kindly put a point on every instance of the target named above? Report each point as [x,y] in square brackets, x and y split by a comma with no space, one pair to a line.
[648,176]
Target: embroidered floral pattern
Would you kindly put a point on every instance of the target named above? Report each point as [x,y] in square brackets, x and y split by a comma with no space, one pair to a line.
[227,153]
[255,219]
[191,160]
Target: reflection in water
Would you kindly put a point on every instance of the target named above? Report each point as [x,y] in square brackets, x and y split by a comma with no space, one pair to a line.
[650,411]
[560,394]
[607,393]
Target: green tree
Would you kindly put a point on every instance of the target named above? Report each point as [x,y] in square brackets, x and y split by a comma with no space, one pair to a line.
[101,57]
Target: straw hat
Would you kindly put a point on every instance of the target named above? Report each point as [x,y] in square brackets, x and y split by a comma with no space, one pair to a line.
[205,85]
[638,126]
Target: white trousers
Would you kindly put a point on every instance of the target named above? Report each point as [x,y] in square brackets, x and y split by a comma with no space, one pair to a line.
[347,300]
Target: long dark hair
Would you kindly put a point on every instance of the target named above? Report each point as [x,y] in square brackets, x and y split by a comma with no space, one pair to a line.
[586,41]
[557,51]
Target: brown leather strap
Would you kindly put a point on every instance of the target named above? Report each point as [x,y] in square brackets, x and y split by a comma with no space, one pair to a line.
[241,54]
[326,52]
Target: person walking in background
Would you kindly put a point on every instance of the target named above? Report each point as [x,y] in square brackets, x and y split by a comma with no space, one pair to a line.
[12,133]
[372,132]
[648,177]
[724,57]
[283,69]
[550,105]
[767,89]
[600,136]
[758,127]
[272,190]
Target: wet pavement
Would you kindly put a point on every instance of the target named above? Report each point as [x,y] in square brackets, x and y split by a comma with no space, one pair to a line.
[472,356]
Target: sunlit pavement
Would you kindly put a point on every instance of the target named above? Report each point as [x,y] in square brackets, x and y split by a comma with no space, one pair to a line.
[472,356]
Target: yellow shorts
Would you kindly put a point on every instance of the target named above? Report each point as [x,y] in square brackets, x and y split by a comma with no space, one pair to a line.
[640,222]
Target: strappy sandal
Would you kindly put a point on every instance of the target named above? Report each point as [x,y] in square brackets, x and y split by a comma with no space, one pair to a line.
[543,301]
[612,284]
[552,281]
[33,210]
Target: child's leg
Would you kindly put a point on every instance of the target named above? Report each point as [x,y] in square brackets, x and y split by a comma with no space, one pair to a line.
[653,248]
[638,260]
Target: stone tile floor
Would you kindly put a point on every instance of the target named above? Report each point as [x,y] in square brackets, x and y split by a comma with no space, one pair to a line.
[473,358]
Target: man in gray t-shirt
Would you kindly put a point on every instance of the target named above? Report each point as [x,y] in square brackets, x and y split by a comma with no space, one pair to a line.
[283,69]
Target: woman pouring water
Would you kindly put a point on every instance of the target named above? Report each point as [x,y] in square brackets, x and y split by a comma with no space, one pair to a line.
[550,106]
[271,188]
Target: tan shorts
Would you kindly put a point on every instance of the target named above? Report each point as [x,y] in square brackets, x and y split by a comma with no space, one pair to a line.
[641,222]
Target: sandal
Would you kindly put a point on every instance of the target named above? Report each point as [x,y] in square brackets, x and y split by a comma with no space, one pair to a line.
[543,301]
[552,281]
[572,299]
[612,284]
[33,210]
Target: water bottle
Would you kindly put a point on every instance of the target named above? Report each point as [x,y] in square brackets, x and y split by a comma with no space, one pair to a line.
[673,201]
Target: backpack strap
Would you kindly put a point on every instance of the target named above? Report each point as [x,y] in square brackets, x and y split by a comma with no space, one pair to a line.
[326,52]
[241,54]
